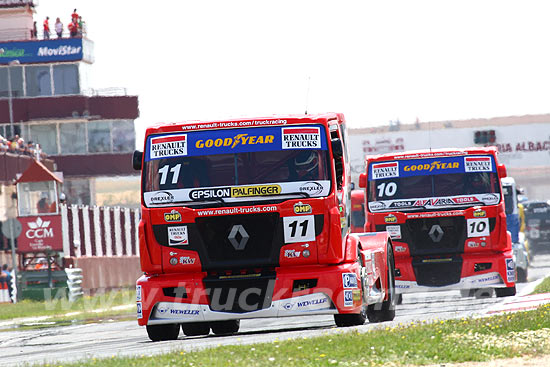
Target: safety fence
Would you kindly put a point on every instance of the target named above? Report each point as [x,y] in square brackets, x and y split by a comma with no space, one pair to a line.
[99,231]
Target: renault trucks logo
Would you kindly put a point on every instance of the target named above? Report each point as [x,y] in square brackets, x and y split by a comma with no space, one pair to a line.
[238,237]
[301,138]
[39,229]
[477,164]
[436,233]
[385,170]
[168,146]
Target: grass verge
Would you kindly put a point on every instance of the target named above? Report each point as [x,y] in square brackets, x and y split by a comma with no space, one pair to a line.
[543,287]
[503,336]
[59,309]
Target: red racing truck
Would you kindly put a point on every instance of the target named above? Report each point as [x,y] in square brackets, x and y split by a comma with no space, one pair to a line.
[445,214]
[249,218]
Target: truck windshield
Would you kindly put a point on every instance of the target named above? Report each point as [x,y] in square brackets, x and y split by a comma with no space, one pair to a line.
[236,165]
[433,183]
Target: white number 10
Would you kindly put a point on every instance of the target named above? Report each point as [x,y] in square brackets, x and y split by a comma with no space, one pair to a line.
[388,189]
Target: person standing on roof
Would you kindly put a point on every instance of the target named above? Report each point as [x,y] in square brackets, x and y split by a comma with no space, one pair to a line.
[47,28]
[58,28]
[73,28]
[74,16]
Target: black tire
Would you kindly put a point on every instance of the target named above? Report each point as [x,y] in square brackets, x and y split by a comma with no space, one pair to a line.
[522,275]
[483,293]
[226,327]
[385,311]
[467,292]
[506,292]
[195,328]
[163,332]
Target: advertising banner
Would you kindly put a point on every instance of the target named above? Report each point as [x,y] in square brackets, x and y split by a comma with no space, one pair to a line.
[66,49]
[40,233]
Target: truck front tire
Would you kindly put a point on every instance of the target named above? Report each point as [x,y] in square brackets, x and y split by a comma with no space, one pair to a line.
[163,332]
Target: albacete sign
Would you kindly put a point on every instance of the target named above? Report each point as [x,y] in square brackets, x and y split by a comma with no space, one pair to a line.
[40,233]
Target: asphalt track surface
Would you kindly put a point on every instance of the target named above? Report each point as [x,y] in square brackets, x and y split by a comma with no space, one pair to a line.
[101,340]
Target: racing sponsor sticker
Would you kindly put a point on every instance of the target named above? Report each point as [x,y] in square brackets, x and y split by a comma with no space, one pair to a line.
[177,236]
[384,170]
[394,231]
[261,190]
[478,164]
[161,197]
[490,199]
[390,218]
[168,310]
[203,194]
[301,138]
[292,254]
[376,205]
[139,310]
[300,208]
[312,188]
[479,213]
[349,280]
[138,293]
[168,146]
[400,249]
[173,216]
[187,260]
[310,302]
[510,270]
[348,298]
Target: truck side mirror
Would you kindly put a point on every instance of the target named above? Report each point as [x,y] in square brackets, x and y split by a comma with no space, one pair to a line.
[136,160]
[501,170]
[363,180]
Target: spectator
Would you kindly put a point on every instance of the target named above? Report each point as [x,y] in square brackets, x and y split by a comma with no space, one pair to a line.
[47,28]
[73,28]
[5,276]
[81,26]
[58,28]
[43,205]
[29,149]
[74,16]
[34,31]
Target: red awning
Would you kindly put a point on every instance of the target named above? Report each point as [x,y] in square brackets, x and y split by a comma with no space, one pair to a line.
[37,172]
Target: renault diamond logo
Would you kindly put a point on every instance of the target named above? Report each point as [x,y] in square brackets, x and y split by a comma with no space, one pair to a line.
[238,237]
[436,233]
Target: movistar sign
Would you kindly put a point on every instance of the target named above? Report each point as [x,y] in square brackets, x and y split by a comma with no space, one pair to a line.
[70,49]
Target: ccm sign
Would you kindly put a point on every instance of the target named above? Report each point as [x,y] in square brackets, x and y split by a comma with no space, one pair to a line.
[40,233]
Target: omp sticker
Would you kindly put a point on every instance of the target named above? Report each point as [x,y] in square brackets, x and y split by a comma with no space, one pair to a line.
[390,218]
[348,298]
[168,146]
[394,231]
[510,270]
[478,164]
[301,138]
[349,280]
[177,236]
[173,216]
[478,227]
[301,208]
[384,170]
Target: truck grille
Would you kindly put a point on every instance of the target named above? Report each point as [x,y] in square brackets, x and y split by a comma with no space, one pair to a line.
[437,272]
[240,295]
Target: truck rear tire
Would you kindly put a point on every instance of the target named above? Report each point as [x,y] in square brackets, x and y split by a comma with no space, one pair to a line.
[195,328]
[226,327]
[351,319]
[163,332]
[385,311]
[505,292]
[522,275]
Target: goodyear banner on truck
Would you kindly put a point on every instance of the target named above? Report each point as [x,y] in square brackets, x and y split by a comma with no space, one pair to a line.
[431,166]
[230,141]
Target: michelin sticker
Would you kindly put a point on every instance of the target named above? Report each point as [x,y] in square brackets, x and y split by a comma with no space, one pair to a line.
[301,138]
[385,170]
[349,280]
[177,236]
[168,146]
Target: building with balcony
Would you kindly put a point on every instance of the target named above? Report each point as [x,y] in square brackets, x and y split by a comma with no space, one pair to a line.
[46,97]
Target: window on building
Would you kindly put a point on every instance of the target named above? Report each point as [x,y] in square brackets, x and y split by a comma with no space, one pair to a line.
[65,79]
[124,136]
[46,136]
[38,81]
[99,137]
[16,76]
[72,138]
